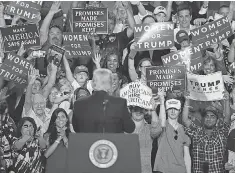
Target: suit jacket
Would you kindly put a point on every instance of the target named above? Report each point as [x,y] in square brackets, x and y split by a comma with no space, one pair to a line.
[101,113]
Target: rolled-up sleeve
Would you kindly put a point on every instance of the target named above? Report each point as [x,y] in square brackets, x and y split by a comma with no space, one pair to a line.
[155,129]
[192,130]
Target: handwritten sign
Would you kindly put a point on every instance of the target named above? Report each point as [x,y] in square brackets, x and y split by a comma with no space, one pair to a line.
[76,44]
[56,54]
[15,68]
[213,32]
[205,87]
[154,36]
[159,77]
[28,10]
[14,36]
[90,20]
[191,57]
[137,94]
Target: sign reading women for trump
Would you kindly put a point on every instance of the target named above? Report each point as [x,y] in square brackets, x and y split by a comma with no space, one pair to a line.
[137,94]
[15,68]
[205,87]
[154,36]
[14,36]
[76,44]
[28,10]
[165,78]
[90,20]
[191,57]
[213,32]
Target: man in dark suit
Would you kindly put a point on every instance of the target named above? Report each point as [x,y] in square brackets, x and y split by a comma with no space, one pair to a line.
[101,113]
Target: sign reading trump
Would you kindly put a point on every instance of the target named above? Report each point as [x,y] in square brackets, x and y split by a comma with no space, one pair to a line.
[154,36]
[205,87]
[137,94]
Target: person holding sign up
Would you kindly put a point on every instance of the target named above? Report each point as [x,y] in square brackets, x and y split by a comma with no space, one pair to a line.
[173,150]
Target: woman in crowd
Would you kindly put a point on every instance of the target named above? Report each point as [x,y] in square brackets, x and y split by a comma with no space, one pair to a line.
[57,142]
[111,61]
[28,148]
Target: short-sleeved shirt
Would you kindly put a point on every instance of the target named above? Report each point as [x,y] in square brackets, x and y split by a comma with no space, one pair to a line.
[210,149]
[170,155]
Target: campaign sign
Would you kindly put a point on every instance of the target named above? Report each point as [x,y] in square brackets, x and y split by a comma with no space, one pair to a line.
[15,68]
[137,94]
[191,57]
[56,54]
[14,36]
[90,20]
[28,10]
[205,87]
[213,32]
[165,78]
[76,44]
[154,36]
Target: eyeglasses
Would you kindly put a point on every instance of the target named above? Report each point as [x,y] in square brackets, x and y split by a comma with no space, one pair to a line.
[176,134]
[27,126]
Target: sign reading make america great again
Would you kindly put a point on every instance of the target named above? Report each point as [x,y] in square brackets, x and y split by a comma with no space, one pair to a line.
[15,68]
[213,32]
[159,77]
[90,20]
[28,10]
[154,36]
[76,44]
[14,36]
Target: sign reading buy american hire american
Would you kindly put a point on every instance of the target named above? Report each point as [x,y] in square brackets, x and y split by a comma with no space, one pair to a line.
[14,36]
[213,32]
[154,36]
[159,77]
[90,20]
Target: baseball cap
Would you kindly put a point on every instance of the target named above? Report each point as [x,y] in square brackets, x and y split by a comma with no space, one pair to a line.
[173,103]
[181,36]
[81,68]
[160,9]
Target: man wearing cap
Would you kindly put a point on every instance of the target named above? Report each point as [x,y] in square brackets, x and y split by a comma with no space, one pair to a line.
[209,140]
[160,14]
[80,77]
[173,144]
[182,38]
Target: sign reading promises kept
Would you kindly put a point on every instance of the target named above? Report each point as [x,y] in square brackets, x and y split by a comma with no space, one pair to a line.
[14,36]
[90,20]
[76,44]
[15,68]
[190,57]
[137,94]
[154,36]
[166,77]
[205,87]
[213,32]
[28,10]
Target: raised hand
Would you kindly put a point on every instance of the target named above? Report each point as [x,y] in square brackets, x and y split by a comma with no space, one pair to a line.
[21,51]
[161,93]
[135,2]
[228,79]
[32,76]
[3,93]
[97,59]
[55,7]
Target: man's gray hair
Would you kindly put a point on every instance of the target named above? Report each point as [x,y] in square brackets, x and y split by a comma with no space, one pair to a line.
[102,79]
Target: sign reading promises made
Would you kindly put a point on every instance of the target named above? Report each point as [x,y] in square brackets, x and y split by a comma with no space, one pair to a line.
[154,36]
[159,77]
[90,20]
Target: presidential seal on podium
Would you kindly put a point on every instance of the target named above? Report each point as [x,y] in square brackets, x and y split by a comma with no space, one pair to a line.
[103,153]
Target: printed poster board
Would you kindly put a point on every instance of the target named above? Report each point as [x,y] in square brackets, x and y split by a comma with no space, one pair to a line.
[14,36]
[77,44]
[165,77]
[137,94]
[205,87]
[213,32]
[90,20]
[15,68]
[154,36]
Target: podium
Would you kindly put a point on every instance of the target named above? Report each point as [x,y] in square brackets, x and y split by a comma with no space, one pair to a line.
[103,153]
